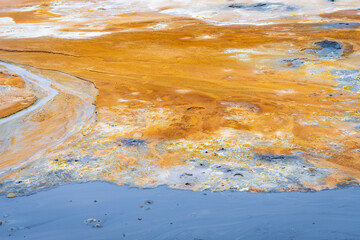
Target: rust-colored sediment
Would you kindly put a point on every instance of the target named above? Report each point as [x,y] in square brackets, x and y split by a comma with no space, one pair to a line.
[15,97]
[203,89]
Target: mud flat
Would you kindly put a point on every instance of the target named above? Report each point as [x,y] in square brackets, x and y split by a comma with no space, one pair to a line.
[105,211]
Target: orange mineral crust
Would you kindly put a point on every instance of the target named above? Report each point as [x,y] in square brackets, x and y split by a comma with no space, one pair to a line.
[191,104]
[13,95]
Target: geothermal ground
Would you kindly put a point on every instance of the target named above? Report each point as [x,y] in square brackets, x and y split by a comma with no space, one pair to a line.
[197,95]
[192,106]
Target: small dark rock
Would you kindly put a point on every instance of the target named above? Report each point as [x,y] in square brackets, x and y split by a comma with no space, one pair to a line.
[94,223]
[184,175]
[132,142]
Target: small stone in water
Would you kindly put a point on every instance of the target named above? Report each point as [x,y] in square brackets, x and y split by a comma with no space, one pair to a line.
[93,222]
[11,195]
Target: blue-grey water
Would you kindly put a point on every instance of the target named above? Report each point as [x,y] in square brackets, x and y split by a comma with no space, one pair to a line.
[162,213]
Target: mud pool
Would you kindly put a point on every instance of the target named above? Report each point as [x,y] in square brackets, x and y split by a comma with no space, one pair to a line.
[68,212]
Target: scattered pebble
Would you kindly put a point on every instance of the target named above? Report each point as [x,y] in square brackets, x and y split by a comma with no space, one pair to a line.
[94,223]
[11,195]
